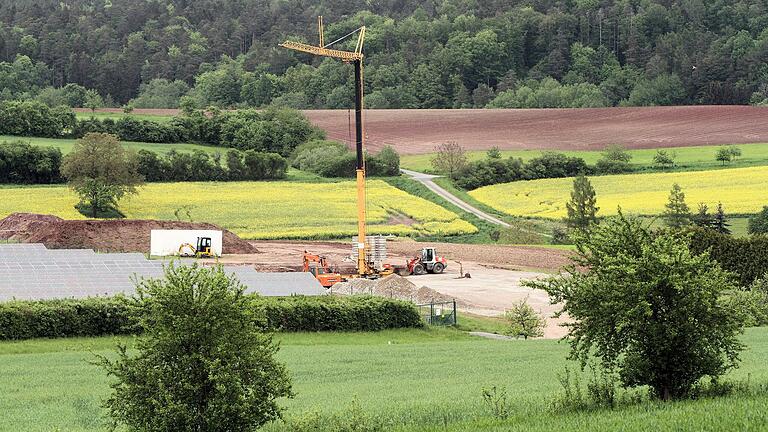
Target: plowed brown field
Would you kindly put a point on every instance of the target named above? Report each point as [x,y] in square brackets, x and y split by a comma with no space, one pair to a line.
[419,131]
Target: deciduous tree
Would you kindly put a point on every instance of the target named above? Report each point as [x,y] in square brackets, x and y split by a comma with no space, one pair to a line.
[450,159]
[201,363]
[647,308]
[102,172]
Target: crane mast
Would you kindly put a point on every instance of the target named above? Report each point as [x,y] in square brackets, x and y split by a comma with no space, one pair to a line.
[356,59]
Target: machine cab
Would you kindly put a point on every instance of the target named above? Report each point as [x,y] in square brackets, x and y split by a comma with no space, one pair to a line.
[204,245]
[428,255]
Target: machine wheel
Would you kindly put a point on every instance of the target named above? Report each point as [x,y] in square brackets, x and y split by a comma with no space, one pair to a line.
[438,268]
[419,269]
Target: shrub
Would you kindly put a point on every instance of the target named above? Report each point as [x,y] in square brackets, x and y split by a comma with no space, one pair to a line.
[32,118]
[109,316]
[758,224]
[524,321]
[746,257]
[23,163]
[555,165]
[495,170]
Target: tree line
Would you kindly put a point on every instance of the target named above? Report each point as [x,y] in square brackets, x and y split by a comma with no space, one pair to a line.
[422,54]
[275,130]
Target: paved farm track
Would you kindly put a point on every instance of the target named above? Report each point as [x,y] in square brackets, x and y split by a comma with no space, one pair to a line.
[419,131]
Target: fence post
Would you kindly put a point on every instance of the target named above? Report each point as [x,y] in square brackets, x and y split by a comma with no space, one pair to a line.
[431,312]
[455,314]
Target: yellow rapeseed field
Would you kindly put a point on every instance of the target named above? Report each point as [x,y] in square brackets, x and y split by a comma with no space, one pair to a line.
[741,190]
[260,210]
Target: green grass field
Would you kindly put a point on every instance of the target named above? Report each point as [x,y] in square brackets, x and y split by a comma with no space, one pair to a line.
[408,380]
[741,190]
[65,145]
[688,158]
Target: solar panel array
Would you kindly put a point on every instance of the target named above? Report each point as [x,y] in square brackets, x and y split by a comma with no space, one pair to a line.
[31,271]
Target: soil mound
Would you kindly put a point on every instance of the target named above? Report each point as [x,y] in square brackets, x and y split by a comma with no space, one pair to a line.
[102,235]
[392,286]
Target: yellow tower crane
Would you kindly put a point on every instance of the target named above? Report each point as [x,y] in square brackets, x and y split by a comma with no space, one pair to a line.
[356,58]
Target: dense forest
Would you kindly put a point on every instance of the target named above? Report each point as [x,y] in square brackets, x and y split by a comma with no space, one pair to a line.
[419,54]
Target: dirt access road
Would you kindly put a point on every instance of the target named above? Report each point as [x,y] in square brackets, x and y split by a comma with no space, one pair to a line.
[426,180]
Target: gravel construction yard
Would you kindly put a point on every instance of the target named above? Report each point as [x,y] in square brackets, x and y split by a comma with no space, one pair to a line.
[496,271]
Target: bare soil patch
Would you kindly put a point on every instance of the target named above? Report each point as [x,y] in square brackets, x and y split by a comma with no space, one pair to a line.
[419,131]
[102,235]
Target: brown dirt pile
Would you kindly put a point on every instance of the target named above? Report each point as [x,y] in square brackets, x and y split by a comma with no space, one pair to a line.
[392,286]
[102,235]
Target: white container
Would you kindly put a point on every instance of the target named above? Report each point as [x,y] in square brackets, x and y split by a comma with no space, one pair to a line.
[168,242]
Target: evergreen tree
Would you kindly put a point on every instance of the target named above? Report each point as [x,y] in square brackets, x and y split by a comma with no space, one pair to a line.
[582,209]
[758,224]
[702,219]
[677,214]
[720,221]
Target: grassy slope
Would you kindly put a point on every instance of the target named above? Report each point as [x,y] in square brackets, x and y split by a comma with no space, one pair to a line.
[412,380]
[688,158]
[65,145]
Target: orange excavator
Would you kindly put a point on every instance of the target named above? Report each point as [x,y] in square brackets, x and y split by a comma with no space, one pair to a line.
[318,266]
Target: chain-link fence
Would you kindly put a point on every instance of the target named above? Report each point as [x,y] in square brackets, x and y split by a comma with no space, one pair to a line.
[439,313]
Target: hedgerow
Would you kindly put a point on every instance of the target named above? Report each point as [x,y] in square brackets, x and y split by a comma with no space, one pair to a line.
[100,316]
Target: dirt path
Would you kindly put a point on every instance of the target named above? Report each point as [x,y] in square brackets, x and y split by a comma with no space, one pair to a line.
[426,180]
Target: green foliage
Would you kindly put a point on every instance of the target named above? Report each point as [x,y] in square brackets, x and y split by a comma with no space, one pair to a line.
[524,321]
[752,302]
[419,55]
[720,221]
[23,163]
[494,170]
[702,218]
[582,208]
[31,118]
[352,419]
[496,400]
[663,90]
[724,155]
[758,224]
[200,364]
[64,318]
[615,160]
[450,159]
[160,93]
[334,159]
[101,172]
[659,320]
[677,214]
[745,257]
[549,93]
[664,158]
[111,316]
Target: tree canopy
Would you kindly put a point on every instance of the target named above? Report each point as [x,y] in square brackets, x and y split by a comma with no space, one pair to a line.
[419,54]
